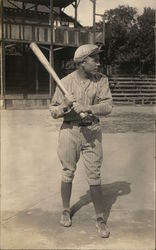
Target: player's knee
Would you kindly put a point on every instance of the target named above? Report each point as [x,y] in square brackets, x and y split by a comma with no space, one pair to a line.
[94,181]
[67,175]
[94,177]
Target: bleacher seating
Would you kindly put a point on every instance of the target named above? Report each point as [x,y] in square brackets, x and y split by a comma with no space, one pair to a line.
[133,90]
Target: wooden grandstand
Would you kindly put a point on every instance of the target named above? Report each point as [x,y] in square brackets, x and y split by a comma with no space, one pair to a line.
[133,89]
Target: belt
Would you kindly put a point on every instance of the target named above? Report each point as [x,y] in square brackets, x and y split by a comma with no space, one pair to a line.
[79,124]
[82,123]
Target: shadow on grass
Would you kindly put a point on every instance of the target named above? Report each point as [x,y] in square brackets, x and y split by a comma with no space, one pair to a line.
[110,193]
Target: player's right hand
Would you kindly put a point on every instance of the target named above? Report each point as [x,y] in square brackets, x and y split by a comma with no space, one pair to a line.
[68,100]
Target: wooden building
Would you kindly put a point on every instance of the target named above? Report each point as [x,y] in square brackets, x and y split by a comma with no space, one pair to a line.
[24,81]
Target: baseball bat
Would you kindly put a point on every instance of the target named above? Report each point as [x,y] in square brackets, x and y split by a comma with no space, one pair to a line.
[49,68]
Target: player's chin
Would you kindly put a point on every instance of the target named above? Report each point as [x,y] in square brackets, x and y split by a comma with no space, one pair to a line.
[95,71]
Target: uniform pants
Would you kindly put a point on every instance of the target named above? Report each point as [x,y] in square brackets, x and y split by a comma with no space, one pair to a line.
[73,140]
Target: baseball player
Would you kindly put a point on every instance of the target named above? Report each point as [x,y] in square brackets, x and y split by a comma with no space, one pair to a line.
[89,94]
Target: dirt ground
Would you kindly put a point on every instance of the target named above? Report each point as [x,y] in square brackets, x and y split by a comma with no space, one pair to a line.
[31,174]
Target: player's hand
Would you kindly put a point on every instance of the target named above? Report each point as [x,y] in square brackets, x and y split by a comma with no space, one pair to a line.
[68,100]
[79,108]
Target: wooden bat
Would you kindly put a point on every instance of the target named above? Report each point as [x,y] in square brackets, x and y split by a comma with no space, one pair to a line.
[51,71]
[47,66]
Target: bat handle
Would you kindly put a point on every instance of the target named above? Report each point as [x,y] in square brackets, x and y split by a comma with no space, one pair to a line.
[82,115]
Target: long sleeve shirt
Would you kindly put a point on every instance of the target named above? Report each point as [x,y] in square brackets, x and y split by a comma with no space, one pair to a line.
[94,93]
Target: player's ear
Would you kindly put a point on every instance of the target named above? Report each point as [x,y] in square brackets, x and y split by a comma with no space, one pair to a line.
[83,63]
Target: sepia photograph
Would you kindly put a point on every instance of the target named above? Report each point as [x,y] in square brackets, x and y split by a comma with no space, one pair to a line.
[77,124]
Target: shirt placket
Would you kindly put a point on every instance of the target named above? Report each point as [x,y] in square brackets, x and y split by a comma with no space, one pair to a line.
[84,87]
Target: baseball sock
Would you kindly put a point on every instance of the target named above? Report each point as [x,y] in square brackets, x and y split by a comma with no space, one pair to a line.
[97,199]
[66,194]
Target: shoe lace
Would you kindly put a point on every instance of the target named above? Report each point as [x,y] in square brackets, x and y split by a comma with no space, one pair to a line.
[101,222]
[66,214]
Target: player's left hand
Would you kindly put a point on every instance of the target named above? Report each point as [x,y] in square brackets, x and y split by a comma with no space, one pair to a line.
[79,108]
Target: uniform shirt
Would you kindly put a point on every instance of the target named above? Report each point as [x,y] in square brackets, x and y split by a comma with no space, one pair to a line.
[94,93]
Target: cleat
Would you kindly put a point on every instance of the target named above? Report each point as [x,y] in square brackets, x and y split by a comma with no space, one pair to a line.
[102,228]
[65,218]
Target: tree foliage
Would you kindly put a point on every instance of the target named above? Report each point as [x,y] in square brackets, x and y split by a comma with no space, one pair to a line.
[129,42]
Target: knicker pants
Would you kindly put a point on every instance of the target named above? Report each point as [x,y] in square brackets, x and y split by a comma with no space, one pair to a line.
[74,140]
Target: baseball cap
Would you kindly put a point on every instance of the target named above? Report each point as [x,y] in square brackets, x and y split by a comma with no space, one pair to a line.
[86,50]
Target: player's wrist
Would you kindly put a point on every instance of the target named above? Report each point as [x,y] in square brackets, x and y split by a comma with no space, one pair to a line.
[88,109]
[65,108]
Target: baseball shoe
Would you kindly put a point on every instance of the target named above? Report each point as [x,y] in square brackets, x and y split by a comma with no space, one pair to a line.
[102,228]
[65,218]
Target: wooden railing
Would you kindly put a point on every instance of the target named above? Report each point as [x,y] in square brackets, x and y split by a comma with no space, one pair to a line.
[64,36]
[133,90]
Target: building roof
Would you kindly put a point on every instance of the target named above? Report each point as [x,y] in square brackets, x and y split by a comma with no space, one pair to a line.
[56,3]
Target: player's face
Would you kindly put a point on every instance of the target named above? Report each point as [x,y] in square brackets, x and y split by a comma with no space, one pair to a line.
[91,64]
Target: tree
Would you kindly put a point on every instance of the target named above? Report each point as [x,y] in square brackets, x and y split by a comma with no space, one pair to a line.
[145,43]
[119,23]
[129,45]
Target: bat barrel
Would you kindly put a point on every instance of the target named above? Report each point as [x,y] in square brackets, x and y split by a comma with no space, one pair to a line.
[47,66]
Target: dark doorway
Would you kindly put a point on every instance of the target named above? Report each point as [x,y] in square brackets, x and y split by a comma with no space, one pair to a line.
[24,74]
